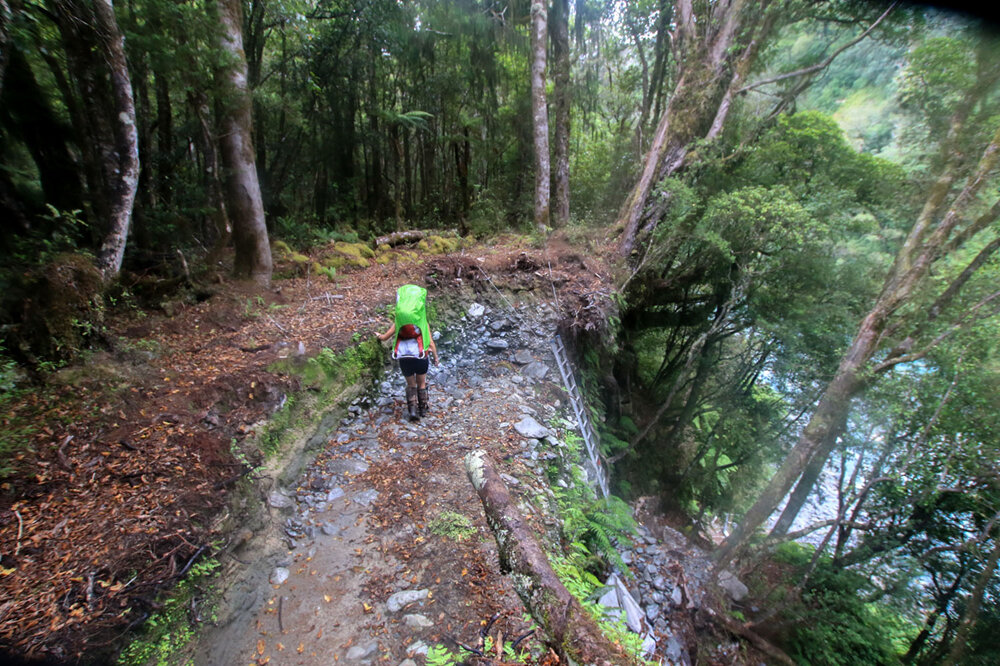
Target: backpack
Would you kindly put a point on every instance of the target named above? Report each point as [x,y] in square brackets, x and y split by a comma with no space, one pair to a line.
[411,322]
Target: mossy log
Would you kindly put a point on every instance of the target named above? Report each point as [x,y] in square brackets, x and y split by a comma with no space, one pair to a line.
[412,236]
[569,629]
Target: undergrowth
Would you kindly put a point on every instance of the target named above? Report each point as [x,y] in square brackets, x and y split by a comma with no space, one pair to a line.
[170,629]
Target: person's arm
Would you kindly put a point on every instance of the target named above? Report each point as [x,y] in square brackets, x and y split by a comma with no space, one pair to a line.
[388,334]
[434,349]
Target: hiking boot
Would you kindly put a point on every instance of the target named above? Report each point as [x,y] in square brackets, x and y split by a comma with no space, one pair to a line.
[422,400]
[411,402]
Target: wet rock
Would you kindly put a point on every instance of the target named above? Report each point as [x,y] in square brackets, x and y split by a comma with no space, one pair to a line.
[417,621]
[362,651]
[531,429]
[402,599]
[523,357]
[732,586]
[278,576]
[366,497]
[535,370]
[279,500]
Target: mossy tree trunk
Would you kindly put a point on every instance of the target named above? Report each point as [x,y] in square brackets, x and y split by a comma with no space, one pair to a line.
[570,630]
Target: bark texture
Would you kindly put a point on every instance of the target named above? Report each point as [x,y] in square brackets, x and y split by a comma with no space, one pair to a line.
[243,196]
[563,99]
[570,629]
[126,138]
[539,112]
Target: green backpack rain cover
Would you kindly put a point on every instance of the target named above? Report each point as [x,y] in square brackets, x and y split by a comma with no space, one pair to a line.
[411,310]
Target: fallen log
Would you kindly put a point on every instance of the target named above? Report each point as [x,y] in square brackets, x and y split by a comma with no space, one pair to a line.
[412,236]
[755,639]
[569,629]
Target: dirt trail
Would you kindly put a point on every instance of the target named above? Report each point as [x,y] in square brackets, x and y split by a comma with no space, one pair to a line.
[362,516]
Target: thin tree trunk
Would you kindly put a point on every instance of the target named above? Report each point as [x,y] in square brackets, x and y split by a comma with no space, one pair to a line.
[246,209]
[563,102]
[972,607]
[539,113]
[112,250]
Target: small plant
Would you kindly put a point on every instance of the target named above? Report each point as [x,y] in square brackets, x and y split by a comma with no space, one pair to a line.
[451,525]
[438,655]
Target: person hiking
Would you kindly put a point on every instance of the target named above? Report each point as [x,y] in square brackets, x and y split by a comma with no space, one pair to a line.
[413,345]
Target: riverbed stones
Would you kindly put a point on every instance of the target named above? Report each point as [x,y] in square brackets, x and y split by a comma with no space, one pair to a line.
[497,344]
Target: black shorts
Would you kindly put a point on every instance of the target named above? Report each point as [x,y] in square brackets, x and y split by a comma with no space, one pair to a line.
[414,366]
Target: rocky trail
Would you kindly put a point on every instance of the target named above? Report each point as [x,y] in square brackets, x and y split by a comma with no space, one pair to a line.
[379,549]
[362,542]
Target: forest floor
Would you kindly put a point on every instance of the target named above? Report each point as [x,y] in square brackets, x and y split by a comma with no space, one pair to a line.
[136,453]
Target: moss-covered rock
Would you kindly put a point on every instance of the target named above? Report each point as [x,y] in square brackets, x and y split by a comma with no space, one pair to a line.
[439,245]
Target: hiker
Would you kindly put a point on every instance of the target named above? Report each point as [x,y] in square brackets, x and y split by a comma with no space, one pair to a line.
[413,346]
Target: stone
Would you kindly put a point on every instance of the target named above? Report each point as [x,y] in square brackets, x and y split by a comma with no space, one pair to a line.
[279,575]
[362,651]
[335,493]
[496,344]
[732,586]
[523,357]
[366,497]
[407,662]
[677,596]
[531,429]
[652,612]
[417,621]
[476,310]
[402,599]
[419,647]
[535,370]
[660,583]
[279,500]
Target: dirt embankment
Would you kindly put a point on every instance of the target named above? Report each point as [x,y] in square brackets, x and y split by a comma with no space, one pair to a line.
[136,452]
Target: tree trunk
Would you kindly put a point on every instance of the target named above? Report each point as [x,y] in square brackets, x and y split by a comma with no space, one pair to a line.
[126,138]
[798,497]
[707,47]
[539,113]
[972,607]
[243,196]
[563,102]
[570,630]
[6,18]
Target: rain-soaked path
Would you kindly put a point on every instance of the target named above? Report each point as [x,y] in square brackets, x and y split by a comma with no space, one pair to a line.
[351,567]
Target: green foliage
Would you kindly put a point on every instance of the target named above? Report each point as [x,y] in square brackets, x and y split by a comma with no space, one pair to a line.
[595,523]
[168,631]
[438,655]
[451,525]
[833,625]
[588,590]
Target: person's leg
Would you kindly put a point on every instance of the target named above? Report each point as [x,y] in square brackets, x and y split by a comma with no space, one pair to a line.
[409,372]
[422,391]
